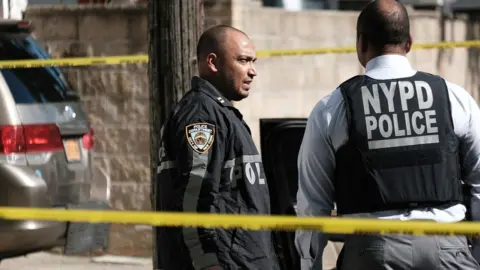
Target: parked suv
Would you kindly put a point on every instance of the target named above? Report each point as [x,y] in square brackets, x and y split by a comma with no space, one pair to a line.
[45,146]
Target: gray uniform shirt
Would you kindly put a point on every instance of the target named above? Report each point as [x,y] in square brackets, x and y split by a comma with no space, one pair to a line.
[327,130]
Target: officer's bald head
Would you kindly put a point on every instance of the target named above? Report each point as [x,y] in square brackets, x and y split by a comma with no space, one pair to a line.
[214,40]
[384,24]
[225,59]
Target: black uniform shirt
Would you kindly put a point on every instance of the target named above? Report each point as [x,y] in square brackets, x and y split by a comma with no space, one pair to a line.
[210,163]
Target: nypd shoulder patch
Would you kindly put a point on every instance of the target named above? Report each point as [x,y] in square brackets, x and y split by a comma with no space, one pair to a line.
[200,136]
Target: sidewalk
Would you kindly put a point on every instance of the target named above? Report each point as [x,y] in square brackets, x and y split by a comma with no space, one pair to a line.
[47,261]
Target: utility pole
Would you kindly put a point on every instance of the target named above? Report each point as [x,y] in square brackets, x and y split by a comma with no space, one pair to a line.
[174,28]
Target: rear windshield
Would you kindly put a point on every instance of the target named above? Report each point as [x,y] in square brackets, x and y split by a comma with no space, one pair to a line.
[33,85]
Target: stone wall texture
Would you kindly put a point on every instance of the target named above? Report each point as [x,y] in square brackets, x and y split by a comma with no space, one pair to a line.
[290,86]
[116,97]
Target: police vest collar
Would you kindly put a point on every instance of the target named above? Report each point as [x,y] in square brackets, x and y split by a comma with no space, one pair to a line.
[207,88]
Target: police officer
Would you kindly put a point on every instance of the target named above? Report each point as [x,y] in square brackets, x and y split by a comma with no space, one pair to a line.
[210,164]
[393,143]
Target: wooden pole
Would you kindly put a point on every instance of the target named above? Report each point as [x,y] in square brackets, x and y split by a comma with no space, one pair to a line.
[174,28]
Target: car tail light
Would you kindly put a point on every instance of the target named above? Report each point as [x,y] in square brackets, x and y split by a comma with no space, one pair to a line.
[88,140]
[42,138]
[13,139]
[13,26]
[30,138]
[24,24]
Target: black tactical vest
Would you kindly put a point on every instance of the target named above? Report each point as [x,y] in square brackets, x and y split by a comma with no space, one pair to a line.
[402,151]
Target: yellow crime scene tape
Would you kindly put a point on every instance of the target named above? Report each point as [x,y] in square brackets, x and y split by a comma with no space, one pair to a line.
[75,61]
[248,222]
[333,225]
[337,50]
[132,59]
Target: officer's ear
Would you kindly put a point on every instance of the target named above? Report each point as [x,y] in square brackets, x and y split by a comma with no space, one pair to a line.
[212,62]
[363,43]
[408,46]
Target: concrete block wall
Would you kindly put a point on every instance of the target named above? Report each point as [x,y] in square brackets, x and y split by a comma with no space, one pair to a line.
[290,86]
[116,97]
[217,12]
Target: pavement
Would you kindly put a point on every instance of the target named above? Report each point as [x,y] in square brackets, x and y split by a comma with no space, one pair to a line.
[49,261]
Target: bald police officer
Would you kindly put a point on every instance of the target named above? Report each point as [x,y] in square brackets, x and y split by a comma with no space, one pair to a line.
[210,164]
[393,143]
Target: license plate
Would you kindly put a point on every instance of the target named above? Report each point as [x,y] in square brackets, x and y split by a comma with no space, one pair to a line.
[72,150]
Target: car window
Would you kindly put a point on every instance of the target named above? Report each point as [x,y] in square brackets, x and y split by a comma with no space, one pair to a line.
[33,85]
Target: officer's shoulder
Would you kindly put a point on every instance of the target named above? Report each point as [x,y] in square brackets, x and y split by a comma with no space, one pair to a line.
[329,103]
[350,81]
[453,88]
[336,97]
[194,96]
[456,91]
[334,101]
[435,76]
[459,93]
[195,106]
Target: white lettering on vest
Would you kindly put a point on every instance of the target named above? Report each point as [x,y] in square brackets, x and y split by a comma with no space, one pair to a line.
[399,126]
[250,170]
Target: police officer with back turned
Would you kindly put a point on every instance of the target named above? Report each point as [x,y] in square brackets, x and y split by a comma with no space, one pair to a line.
[210,164]
[393,143]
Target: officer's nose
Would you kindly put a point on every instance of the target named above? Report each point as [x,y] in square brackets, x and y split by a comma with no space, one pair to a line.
[252,71]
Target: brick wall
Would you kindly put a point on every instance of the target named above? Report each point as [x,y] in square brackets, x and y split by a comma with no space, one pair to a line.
[116,97]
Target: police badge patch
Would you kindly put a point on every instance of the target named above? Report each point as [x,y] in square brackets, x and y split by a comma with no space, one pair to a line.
[200,136]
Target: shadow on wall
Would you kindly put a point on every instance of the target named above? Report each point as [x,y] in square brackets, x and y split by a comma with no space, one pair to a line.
[473,33]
